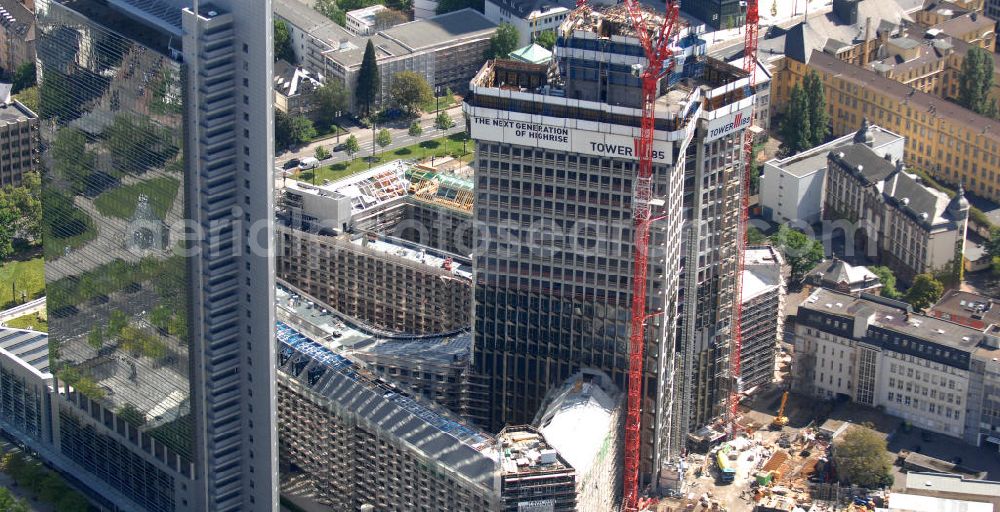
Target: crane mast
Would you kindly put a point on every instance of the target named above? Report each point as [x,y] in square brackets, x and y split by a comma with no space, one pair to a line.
[751,32]
[657,51]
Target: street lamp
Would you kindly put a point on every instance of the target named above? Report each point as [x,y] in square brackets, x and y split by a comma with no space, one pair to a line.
[437,99]
[373,146]
[337,127]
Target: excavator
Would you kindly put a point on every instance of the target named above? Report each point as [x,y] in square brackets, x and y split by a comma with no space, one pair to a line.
[781,420]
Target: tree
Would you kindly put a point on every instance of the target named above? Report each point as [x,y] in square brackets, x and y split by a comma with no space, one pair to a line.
[29,98]
[8,218]
[546,39]
[503,41]
[383,138]
[352,147]
[387,18]
[443,121]
[975,81]
[292,131]
[321,153]
[755,168]
[11,503]
[408,91]
[755,236]
[331,101]
[54,98]
[925,291]
[330,9]
[861,458]
[24,77]
[801,252]
[888,280]
[819,118]
[415,129]
[992,245]
[369,81]
[795,127]
[283,48]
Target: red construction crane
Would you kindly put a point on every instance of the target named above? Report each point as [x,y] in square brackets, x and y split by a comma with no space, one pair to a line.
[657,49]
[750,35]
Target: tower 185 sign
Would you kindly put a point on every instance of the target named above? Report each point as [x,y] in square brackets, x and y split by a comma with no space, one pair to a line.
[561,138]
[722,126]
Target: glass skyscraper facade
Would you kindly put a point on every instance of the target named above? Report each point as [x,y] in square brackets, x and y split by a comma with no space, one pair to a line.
[157,234]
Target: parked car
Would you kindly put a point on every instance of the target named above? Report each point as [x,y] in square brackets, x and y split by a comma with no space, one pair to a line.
[308,163]
[291,163]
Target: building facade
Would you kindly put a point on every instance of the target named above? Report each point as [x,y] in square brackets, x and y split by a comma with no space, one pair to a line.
[718,14]
[938,375]
[19,143]
[162,340]
[762,321]
[529,17]
[792,189]
[390,285]
[549,303]
[909,226]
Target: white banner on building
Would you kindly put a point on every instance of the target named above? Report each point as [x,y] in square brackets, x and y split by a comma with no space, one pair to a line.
[536,506]
[722,126]
[585,142]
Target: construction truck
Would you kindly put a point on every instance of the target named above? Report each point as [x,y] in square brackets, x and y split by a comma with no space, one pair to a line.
[781,420]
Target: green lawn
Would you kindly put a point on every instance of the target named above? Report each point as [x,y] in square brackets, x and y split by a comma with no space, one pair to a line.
[328,133]
[23,276]
[34,321]
[120,202]
[444,146]
[446,101]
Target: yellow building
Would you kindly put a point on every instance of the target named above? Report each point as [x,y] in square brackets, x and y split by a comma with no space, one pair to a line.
[951,143]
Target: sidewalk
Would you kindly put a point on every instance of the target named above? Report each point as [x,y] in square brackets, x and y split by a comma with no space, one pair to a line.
[365,136]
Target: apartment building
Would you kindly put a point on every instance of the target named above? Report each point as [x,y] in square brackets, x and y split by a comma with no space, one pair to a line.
[295,90]
[967,308]
[938,375]
[907,225]
[19,140]
[446,50]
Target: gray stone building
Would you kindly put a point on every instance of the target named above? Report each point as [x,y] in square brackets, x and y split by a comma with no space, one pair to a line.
[446,50]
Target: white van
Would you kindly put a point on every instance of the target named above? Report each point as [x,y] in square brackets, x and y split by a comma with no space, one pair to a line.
[308,163]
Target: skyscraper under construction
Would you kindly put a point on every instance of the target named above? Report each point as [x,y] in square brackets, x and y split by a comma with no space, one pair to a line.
[555,164]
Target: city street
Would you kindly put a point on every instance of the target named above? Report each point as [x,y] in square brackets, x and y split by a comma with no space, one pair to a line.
[400,138]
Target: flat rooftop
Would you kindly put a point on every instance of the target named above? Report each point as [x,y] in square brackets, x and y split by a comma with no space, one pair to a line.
[524,450]
[430,430]
[348,48]
[15,112]
[416,253]
[30,348]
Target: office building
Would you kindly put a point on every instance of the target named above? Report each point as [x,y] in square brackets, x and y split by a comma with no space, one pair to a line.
[446,50]
[792,188]
[26,387]
[554,153]
[390,284]
[363,21]
[362,440]
[938,375]
[162,336]
[897,219]
[17,35]
[19,140]
[529,17]
[762,321]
